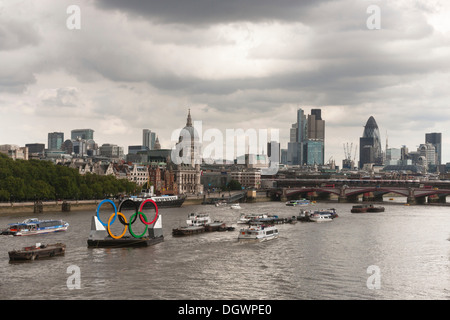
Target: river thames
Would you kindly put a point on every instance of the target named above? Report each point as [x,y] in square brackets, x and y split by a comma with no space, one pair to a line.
[402,253]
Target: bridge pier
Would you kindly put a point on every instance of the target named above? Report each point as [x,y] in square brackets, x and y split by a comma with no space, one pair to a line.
[283,197]
[411,200]
[411,196]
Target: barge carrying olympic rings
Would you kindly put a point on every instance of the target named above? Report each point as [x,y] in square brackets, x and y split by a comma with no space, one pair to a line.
[101,235]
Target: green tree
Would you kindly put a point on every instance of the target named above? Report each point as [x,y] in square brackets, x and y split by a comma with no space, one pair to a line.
[234,185]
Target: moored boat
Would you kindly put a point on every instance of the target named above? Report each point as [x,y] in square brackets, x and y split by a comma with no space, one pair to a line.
[38,251]
[246,218]
[35,226]
[199,223]
[163,201]
[258,232]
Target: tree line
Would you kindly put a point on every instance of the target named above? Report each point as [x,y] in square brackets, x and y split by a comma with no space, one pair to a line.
[28,180]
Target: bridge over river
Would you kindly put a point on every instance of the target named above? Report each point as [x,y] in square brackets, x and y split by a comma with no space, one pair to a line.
[346,193]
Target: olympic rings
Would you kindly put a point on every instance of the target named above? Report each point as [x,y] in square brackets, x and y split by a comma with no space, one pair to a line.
[124,230]
[146,225]
[115,211]
[123,220]
[156,215]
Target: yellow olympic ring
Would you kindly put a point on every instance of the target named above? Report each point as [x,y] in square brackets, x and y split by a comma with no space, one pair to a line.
[109,222]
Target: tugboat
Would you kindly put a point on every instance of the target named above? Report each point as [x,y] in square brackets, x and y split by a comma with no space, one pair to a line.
[38,251]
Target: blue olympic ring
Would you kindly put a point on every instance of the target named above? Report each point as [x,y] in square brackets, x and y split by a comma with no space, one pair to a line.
[115,211]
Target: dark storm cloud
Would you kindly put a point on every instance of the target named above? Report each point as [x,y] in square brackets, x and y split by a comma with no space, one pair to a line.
[350,62]
[200,12]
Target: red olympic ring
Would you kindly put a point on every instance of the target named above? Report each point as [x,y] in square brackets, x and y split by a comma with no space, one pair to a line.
[140,210]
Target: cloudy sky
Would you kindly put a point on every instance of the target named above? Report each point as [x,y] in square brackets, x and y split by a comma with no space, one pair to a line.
[236,64]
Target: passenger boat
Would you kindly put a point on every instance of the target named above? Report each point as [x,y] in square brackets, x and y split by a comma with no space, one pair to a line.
[246,218]
[35,226]
[236,206]
[199,223]
[332,212]
[198,219]
[294,203]
[38,251]
[305,215]
[320,217]
[258,232]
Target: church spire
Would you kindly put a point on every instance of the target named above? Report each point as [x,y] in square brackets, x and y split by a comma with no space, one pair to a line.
[157,144]
[189,120]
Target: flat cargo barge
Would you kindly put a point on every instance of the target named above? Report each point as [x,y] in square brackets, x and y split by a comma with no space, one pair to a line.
[37,252]
[188,231]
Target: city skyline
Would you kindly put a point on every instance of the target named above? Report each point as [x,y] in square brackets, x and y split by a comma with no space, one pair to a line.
[134,65]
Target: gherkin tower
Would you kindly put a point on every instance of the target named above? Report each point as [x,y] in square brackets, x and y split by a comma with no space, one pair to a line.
[370,144]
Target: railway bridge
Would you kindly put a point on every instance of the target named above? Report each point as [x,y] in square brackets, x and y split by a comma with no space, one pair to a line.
[345,193]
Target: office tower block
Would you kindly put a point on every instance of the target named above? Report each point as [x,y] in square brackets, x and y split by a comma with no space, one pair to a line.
[84,134]
[55,140]
[148,138]
[436,140]
[307,139]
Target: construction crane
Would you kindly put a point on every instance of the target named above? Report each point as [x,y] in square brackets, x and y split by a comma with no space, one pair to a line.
[348,151]
[348,162]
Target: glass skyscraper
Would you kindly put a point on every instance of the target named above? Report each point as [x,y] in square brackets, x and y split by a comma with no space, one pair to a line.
[55,140]
[436,140]
[370,144]
[307,139]
[148,139]
[85,134]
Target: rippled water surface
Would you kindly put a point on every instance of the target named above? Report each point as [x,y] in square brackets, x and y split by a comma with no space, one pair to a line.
[409,244]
